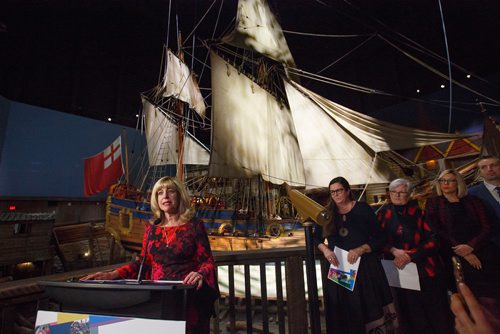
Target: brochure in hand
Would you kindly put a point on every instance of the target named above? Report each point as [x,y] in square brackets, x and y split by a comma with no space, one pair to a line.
[345,273]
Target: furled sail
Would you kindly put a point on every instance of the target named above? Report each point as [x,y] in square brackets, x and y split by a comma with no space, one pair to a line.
[257,29]
[180,84]
[327,150]
[162,140]
[378,135]
[335,140]
[252,133]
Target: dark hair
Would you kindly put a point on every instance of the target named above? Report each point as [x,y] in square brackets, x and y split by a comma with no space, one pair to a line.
[345,185]
[489,156]
[331,227]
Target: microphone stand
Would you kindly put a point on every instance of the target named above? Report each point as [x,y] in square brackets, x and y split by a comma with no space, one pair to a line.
[141,267]
[139,275]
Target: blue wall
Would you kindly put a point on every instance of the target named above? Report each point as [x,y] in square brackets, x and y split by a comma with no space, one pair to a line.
[42,151]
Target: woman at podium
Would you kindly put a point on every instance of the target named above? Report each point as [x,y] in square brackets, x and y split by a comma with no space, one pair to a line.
[175,247]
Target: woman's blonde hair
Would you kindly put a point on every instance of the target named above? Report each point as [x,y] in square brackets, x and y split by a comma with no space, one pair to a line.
[168,182]
[461,186]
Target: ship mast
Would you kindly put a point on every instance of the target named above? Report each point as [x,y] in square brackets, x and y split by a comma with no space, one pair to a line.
[180,111]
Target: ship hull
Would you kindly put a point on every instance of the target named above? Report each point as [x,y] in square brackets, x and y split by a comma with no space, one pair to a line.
[125,220]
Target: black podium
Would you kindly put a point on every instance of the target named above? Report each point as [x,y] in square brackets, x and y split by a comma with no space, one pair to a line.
[148,299]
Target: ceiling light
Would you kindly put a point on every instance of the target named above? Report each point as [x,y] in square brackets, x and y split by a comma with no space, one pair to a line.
[109,119]
[442,86]
[418,90]
[468,76]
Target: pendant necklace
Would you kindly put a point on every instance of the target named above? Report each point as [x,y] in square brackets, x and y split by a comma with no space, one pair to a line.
[168,234]
[344,231]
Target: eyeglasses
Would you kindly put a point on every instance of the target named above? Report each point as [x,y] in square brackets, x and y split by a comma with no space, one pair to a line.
[399,193]
[337,191]
[446,181]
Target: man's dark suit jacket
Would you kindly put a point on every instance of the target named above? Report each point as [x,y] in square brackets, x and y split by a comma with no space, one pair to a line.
[493,207]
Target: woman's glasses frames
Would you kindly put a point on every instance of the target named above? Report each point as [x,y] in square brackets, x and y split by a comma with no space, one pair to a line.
[337,191]
[399,193]
[447,181]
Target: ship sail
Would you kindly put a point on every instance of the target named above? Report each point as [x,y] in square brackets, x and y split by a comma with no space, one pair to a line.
[336,140]
[257,29]
[163,143]
[180,84]
[304,142]
[252,132]
[264,125]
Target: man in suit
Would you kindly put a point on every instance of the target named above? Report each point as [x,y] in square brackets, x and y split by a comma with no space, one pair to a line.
[489,191]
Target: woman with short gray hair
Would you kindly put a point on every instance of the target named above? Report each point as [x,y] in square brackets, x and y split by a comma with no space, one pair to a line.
[411,240]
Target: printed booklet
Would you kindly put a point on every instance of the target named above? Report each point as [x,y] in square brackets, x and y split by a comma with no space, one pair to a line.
[345,274]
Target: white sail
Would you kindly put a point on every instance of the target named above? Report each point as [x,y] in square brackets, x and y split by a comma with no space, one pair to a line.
[162,140]
[378,135]
[179,83]
[257,29]
[338,141]
[252,134]
[327,149]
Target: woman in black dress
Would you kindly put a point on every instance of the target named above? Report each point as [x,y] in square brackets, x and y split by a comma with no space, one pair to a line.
[410,239]
[354,228]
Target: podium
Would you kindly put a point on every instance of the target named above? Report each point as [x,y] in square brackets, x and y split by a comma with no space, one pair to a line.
[148,299]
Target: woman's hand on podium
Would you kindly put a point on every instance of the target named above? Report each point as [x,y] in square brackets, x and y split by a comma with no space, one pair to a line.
[194,278]
[102,275]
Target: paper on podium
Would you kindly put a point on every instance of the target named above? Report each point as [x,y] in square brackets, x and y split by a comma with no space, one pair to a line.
[406,278]
[131,281]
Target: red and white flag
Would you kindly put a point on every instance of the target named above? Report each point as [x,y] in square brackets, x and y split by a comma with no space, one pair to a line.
[103,169]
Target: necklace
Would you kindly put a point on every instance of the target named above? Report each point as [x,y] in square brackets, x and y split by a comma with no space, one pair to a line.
[344,231]
[168,234]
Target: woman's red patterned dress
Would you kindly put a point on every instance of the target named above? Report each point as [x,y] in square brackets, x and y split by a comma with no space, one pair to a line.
[172,253]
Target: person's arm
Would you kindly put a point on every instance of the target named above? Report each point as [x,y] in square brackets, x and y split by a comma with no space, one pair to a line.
[328,254]
[433,208]
[376,236]
[131,270]
[428,240]
[477,209]
[204,258]
[381,218]
[473,321]
[127,271]
[102,275]
[357,252]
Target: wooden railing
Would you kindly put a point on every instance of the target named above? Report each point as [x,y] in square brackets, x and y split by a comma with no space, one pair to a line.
[287,306]
[293,308]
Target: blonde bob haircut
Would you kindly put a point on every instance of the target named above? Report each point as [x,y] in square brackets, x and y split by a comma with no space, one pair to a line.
[461,187]
[167,182]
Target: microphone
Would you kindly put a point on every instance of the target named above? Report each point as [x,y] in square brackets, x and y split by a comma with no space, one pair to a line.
[141,267]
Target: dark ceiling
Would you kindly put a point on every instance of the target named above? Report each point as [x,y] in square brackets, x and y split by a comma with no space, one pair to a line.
[94,58]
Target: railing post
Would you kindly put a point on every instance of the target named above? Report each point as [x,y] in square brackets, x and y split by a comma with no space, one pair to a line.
[295,295]
[312,286]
